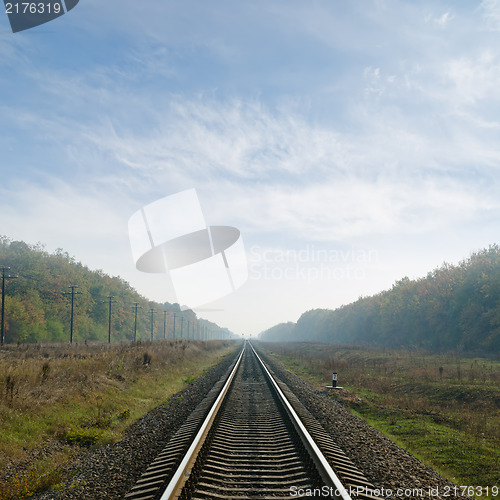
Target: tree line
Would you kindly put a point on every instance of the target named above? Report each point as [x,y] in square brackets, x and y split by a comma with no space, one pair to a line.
[37,302]
[453,307]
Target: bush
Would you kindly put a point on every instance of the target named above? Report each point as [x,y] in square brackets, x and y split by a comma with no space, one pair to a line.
[82,437]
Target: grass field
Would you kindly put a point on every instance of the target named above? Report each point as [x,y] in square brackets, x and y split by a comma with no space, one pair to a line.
[58,400]
[443,408]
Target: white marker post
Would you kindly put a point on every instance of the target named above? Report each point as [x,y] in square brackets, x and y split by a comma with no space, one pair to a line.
[334,382]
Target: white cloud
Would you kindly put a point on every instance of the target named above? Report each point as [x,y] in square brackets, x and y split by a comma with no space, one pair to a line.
[491,13]
[281,173]
[445,19]
[441,20]
[474,79]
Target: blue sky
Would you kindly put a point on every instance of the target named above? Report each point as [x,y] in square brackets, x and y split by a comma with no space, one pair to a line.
[352,143]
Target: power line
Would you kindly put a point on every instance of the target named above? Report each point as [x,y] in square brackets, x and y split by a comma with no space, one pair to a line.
[165,324]
[152,311]
[73,293]
[4,277]
[110,301]
[136,306]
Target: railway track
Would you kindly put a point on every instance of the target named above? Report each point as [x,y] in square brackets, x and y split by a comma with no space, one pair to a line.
[250,438]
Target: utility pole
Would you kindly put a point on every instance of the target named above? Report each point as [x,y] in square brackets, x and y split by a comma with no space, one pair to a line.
[110,301]
[73,293]
[164,324]
[136,306]
[4,277]
[182,325]
[152,311]
[187,336]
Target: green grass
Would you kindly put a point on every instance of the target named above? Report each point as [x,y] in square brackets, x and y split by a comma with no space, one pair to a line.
[436,440]
[70,417]
[442,408]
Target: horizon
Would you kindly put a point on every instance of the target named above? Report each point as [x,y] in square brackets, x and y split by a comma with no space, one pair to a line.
[40,246]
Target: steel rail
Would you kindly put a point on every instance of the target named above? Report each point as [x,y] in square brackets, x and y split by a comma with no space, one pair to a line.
[319,459]
[174,487]
[182,473]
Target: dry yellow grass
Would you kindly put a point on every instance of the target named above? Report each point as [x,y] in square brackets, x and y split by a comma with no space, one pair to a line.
[443,407]
[57,398]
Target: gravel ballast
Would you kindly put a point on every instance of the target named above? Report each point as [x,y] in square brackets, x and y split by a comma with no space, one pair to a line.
[109,472]
[392,470]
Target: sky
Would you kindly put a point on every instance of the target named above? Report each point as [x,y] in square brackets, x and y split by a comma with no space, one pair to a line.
[351,143]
